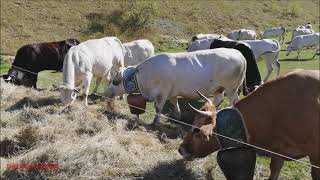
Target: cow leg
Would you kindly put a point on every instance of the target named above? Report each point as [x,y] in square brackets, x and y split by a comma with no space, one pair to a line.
[298,56]
[315,52]
[268,62]
[280,39]
[98,80]
[275,167]
[232,96]
[276,64]
[158,104]
[79,85]
[35,79]
[315,173]
[218,98]
[174,102]
[86,86]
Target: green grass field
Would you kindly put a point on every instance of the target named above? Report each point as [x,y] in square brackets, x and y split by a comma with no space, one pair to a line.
[24,22]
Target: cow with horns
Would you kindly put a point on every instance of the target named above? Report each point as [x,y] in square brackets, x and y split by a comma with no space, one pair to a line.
[169,75]
[287,122]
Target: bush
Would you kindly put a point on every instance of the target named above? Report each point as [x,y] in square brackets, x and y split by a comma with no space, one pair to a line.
[293,10]
[130,20]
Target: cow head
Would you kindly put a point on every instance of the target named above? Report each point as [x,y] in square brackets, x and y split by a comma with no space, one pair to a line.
[72,42]
[289,49]
[20,77]
[115,88]
[194,38]
[308,26]
[233,36]
[68,94]
[200,142]
[68,43]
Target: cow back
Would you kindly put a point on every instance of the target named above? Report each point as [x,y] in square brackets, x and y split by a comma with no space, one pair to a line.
[253,76]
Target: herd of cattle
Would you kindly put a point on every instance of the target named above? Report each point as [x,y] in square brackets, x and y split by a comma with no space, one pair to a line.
[280,115]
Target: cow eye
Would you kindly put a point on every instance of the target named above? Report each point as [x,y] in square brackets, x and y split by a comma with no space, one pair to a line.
[116,82]
[117,79]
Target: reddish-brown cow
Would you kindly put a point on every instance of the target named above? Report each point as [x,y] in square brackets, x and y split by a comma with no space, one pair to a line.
[33,58]
[282,116]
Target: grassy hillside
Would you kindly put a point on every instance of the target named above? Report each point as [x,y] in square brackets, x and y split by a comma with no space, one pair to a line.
[163,22]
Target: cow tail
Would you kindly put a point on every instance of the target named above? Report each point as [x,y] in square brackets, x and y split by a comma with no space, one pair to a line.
[245,90]
[123,52]
[69,69]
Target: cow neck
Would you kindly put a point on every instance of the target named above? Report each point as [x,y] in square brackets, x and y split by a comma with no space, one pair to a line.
[130,83]
[244,106]
[139,86]
[69,76]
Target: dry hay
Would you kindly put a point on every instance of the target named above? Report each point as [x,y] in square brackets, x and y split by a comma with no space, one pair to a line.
[85,143]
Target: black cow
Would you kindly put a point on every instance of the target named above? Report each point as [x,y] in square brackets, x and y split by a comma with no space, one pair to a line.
[253,77]
[33,58]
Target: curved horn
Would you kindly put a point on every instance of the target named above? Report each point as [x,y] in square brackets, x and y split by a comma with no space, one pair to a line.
[76,90]
[203,96]
[205,113]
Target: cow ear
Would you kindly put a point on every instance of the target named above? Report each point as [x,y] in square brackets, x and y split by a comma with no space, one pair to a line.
[72,42]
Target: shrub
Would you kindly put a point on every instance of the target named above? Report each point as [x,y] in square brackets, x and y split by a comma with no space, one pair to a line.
[293,10]
[131,19]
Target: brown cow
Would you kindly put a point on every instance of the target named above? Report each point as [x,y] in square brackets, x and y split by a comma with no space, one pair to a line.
[33,58]
[282,116]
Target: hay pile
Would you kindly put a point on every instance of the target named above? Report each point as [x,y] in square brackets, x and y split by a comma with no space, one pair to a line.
[93,143]
[88,142]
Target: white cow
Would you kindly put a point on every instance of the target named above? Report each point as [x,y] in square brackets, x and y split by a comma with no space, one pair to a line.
[206,36]
[275,32]
[304,41]
[269,50]
[308,26]
[202,44]
[242,34]
[169,75]
[96,57]
[139,50]
[300,31]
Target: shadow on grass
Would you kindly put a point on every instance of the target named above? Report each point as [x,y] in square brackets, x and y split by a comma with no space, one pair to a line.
[29,102]
[297,60]
[171,170]
[163,131]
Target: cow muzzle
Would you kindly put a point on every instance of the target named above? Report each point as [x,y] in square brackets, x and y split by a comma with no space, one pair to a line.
[185,154]
[7,78]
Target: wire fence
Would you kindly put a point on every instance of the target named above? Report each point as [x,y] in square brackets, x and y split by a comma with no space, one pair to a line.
[187,124]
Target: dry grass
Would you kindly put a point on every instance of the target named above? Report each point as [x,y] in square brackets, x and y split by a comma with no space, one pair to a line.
[85,142]
[92,143]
